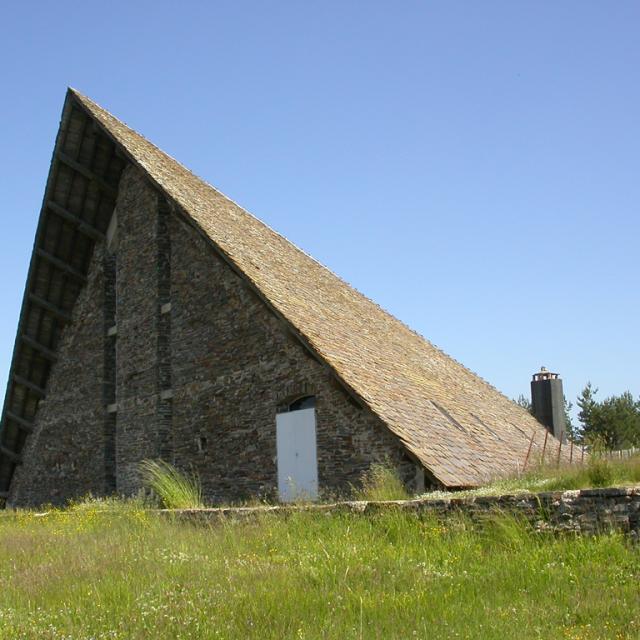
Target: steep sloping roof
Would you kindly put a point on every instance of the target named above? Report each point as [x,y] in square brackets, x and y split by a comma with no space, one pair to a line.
[461,428]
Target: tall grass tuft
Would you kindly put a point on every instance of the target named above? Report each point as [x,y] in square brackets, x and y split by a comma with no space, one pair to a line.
[380,482]
[600,471]
[175,489]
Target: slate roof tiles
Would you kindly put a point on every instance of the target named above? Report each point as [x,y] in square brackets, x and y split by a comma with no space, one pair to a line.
[461,428]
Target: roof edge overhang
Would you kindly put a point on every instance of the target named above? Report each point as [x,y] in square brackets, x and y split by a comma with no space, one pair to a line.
[34,354]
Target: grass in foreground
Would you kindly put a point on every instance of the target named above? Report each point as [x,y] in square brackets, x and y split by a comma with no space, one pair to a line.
[597,471]
[124,573]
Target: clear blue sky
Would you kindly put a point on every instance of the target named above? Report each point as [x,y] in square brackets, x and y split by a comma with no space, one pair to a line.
[474,167]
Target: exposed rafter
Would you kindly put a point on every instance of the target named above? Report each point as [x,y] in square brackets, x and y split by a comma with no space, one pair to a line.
[86,172]
[32,386]
[45,352]
[62,265]
[12,455]
[82,226]
[24,424]
[61,314]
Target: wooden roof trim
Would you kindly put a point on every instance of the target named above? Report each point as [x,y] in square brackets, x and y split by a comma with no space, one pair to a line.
[32,386]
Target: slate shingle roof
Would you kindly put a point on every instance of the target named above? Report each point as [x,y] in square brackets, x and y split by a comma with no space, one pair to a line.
[461,428]
[458,426]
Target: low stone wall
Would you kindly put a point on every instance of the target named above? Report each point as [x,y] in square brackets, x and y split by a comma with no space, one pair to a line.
[582,511]
[586,511]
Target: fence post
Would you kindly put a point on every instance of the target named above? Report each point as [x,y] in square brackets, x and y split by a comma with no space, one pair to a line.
[559,452]
[544,446]
[524,466]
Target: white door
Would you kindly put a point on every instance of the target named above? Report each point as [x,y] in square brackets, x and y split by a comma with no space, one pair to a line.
[297,461]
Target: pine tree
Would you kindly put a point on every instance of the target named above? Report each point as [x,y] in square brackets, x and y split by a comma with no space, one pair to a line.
[586,402]
[613,423]
[573,433]
[525,403]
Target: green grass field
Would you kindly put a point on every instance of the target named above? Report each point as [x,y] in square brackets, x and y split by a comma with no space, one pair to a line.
[128,573]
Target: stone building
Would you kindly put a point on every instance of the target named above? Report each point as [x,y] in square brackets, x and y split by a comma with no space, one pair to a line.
[161,320]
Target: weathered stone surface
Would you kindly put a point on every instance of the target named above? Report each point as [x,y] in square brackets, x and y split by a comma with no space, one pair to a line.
[233,364]
[590,511]
[193,372]
[137,287]
[67,455]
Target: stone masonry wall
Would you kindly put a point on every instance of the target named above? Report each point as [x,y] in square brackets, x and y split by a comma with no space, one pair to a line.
[582,511]
[585,511]
[67,456]
[233,364]
[171,355]
[137,318]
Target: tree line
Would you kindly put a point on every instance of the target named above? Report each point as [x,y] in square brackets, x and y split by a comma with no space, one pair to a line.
[613,423]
